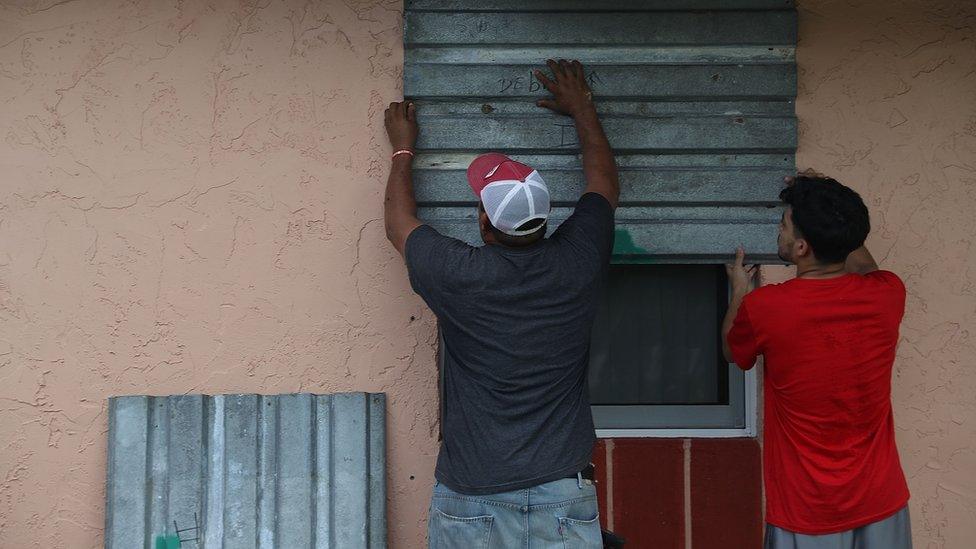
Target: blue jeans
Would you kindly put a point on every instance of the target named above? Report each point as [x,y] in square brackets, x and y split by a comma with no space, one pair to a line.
[560,514]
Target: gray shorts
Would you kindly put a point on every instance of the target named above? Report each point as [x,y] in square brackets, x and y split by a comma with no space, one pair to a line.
[894,532]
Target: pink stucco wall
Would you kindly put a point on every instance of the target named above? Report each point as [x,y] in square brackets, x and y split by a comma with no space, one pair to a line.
[190,201]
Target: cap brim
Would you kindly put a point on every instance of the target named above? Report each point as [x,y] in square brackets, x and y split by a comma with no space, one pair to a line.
[479,169]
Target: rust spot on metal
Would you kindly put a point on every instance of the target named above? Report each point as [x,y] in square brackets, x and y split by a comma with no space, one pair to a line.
[487,109]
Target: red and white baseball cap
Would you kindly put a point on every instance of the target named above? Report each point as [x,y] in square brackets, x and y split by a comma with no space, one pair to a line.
[512,193]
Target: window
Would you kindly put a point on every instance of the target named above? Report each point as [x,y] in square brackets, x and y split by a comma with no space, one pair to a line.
[656,354]
[655,340]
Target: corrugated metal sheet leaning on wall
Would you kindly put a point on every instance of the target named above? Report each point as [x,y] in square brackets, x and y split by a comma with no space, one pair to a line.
[247,471]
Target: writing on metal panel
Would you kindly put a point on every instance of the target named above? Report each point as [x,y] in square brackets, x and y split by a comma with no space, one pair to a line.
[567,134]
[529,83]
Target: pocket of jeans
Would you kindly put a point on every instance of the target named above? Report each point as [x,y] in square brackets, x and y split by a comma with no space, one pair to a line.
[451,532]
[581,534]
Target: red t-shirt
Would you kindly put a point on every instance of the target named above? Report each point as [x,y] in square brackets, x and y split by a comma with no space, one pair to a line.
[830,461]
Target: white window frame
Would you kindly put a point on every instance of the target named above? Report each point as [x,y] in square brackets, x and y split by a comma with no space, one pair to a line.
[751,393]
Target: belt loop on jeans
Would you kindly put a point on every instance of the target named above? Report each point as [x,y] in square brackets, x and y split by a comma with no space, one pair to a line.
[579,480]
[587,473]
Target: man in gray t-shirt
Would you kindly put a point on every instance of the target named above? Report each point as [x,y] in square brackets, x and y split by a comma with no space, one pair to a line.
[516,316]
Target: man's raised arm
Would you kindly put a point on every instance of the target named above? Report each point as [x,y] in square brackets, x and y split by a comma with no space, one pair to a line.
[400,206]
[572,97]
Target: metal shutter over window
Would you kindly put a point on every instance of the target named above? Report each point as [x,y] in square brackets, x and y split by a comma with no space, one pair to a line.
[697,98]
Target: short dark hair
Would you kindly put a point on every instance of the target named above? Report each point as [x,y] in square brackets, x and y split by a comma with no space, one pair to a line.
[832,218]
[519,241]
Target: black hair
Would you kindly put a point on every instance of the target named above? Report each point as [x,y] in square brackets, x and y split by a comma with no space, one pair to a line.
[519,241]
[832,218]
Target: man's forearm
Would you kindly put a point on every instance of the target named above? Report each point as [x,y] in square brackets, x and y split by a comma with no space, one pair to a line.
[599,167]
[400,205]
[730,315]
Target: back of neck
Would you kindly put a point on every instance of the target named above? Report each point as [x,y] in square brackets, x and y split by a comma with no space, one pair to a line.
[820,270]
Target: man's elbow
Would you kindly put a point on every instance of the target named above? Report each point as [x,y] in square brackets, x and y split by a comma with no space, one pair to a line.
[727,354]
[398,229]
[392,223]
[744,365]
[730,358]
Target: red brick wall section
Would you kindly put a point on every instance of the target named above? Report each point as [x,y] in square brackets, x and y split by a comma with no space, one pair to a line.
[648,492]
[726,493]
[646,486]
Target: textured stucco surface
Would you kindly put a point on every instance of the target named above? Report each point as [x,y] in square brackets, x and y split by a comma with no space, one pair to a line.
[190,201]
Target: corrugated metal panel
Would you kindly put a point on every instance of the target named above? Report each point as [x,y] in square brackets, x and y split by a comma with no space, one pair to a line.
[697,98]
[246,471]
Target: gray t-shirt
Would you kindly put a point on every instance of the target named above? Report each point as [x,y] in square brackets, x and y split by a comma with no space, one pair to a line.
[516,324]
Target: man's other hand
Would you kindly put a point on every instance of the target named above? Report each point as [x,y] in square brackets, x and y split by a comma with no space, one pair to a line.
[401,125]
[571,94]
[739,275]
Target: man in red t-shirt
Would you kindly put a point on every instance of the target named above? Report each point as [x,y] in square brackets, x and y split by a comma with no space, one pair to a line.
[828,338]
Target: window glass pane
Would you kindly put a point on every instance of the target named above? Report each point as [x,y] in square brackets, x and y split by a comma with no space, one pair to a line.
[656,337]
